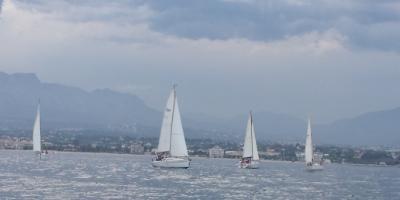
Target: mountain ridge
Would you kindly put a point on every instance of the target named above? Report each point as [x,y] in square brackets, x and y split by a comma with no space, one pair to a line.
[71,107]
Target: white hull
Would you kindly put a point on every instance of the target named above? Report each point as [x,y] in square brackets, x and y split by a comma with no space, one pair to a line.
[42,155]
[172,163]
[251,165]
[314,167]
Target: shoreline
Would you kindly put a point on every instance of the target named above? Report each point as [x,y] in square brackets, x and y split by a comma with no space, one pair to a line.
[202,157]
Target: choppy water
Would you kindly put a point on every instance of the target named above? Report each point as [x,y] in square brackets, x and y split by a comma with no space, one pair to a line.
[113,176]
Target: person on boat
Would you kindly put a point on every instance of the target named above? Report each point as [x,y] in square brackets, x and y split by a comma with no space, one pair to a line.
[158,157]
[245,160]
[161,155]
[45,150]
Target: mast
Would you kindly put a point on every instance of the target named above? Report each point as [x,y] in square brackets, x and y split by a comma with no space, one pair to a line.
[172,119]
[255,155]
[251,134]
[164,143]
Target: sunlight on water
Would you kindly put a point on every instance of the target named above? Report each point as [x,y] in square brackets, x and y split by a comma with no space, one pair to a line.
[113,176]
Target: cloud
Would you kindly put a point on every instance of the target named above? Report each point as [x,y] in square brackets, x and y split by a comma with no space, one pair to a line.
[42,23]
[227,56]
[1,5]
[367,24]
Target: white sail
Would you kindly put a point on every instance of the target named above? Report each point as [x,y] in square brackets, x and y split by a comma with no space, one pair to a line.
[309,146]
[172,137]
[36,132]
[250,144]
[255,150]
[164,142]
[178,143]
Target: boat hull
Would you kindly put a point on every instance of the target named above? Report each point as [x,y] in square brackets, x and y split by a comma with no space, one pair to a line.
[42,155]
[251,165]
[314,167]
[171,163]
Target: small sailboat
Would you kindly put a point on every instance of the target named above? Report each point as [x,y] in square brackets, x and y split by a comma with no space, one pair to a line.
[250,153]
[311,165]
[172,151]
[36,138]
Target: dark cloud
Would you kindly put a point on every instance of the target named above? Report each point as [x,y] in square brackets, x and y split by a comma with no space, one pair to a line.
[372,24]
[365,23]
[102,43]
[1,5]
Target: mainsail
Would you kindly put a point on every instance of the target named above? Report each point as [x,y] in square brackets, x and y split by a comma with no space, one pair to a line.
[178,143]
[250,144]
[172,138]
[309,146]
[165,134]
[36,132]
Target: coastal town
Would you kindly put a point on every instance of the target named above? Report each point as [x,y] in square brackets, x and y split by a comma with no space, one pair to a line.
[294,152]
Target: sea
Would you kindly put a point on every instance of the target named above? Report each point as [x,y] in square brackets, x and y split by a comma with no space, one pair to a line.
[71,175]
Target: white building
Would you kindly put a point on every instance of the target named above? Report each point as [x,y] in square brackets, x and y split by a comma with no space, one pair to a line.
[233,154]
[300,155]
[216,152]
[137,148]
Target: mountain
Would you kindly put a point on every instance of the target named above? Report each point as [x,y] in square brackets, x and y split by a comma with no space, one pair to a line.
[373,128]
[69,107]
[268,126]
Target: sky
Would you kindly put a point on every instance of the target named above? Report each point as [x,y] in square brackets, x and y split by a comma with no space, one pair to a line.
[331,59]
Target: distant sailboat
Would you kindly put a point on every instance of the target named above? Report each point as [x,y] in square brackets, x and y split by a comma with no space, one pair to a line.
[172,151]
[36,138]
[311,165]
[250,153]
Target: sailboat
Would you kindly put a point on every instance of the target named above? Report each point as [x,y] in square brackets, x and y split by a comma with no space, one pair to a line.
[250,156]
[36,139]
[311,165]
[172,151]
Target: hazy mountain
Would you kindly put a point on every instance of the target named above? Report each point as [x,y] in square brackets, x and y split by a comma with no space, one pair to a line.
[268,126]
[68,107]
[374,128]
[71,107]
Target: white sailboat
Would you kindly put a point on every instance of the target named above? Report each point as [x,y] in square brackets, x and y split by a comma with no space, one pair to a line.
[172,151]
[250,152]
[311,165]
[36,138]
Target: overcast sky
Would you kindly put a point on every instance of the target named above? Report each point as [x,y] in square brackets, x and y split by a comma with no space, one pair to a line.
[329,58]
